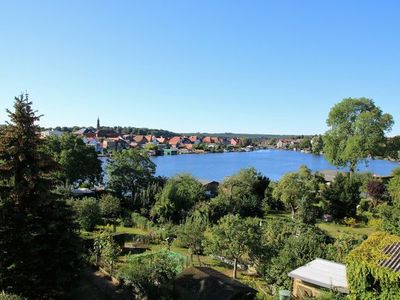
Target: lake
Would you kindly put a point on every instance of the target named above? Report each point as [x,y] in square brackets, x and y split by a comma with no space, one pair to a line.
[271,163]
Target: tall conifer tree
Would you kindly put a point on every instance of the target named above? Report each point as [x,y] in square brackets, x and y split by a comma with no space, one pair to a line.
[37,235]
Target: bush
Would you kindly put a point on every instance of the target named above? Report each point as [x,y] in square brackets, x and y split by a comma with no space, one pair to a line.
[375,223]
[138,221]
[349,221]
[150,276]
[331,295]
[4,296]
[87,212]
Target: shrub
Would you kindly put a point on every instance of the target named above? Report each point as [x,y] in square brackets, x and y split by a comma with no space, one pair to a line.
[350,221]
[150,276]
[87,212]
[4,296]
[138,221]
[375,223]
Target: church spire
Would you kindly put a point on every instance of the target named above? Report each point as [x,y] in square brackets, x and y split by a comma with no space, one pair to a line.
[98,123]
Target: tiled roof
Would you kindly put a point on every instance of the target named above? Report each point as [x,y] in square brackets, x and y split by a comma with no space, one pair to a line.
[138,138]
[393,262]
[175,140]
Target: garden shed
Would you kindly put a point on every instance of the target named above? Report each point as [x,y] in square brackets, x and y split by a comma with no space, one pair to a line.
[309,280]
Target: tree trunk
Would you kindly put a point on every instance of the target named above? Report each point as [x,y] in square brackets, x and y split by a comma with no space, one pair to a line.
[352,168]
[198,258]
[234,268]
[191,258]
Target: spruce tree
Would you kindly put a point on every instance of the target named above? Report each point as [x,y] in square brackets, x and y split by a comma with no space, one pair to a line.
[38,239]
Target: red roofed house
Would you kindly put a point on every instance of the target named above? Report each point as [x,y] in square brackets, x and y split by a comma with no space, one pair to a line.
[150,138]
[162,140]
[195,139]
[175,141]
[234,142]
[207,140]
[139,140]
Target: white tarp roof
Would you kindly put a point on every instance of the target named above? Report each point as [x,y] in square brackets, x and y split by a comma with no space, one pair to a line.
[324,273]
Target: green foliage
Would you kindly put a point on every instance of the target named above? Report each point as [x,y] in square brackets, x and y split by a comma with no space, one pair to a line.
[390,218]
[356,130]
[106,249]
[145,198]
[365,277]
[242,193]
[232,237]
[341,247]
[87,212]
[191,234]
[130,171]
[331,295]
[139,221]
[296,248]
[110,208]
[393,148]
[349,221]
[150,276]
[4,296]
[300,190]
[317,144]
[396,172]
[177,199]
[38,239]
[343,196]
[78,161]
[394,190]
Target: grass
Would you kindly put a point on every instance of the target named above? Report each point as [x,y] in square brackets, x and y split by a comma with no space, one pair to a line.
[334,230]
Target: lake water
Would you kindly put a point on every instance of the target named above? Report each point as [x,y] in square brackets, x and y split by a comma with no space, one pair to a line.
[271,163]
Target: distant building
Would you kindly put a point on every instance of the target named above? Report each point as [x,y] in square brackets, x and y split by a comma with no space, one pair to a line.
[210,186]
[86,132]
[234,142]
[48,133]
[93,143]
[175,142]
[171,151]
[106,133]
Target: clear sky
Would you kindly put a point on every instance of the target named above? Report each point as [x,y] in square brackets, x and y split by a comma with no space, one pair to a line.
[208,66]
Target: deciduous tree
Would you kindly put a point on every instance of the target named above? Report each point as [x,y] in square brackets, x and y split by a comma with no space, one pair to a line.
[78,161]
[128,172]
[233,237]
[357,130]
[178,197]
[295,188]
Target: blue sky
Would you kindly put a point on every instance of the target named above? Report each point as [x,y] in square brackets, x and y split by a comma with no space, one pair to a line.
[208,66]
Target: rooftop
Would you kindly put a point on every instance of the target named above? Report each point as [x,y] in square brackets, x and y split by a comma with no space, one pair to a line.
[323,273]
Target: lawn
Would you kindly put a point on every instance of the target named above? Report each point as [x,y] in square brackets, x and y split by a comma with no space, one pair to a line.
[334,230]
